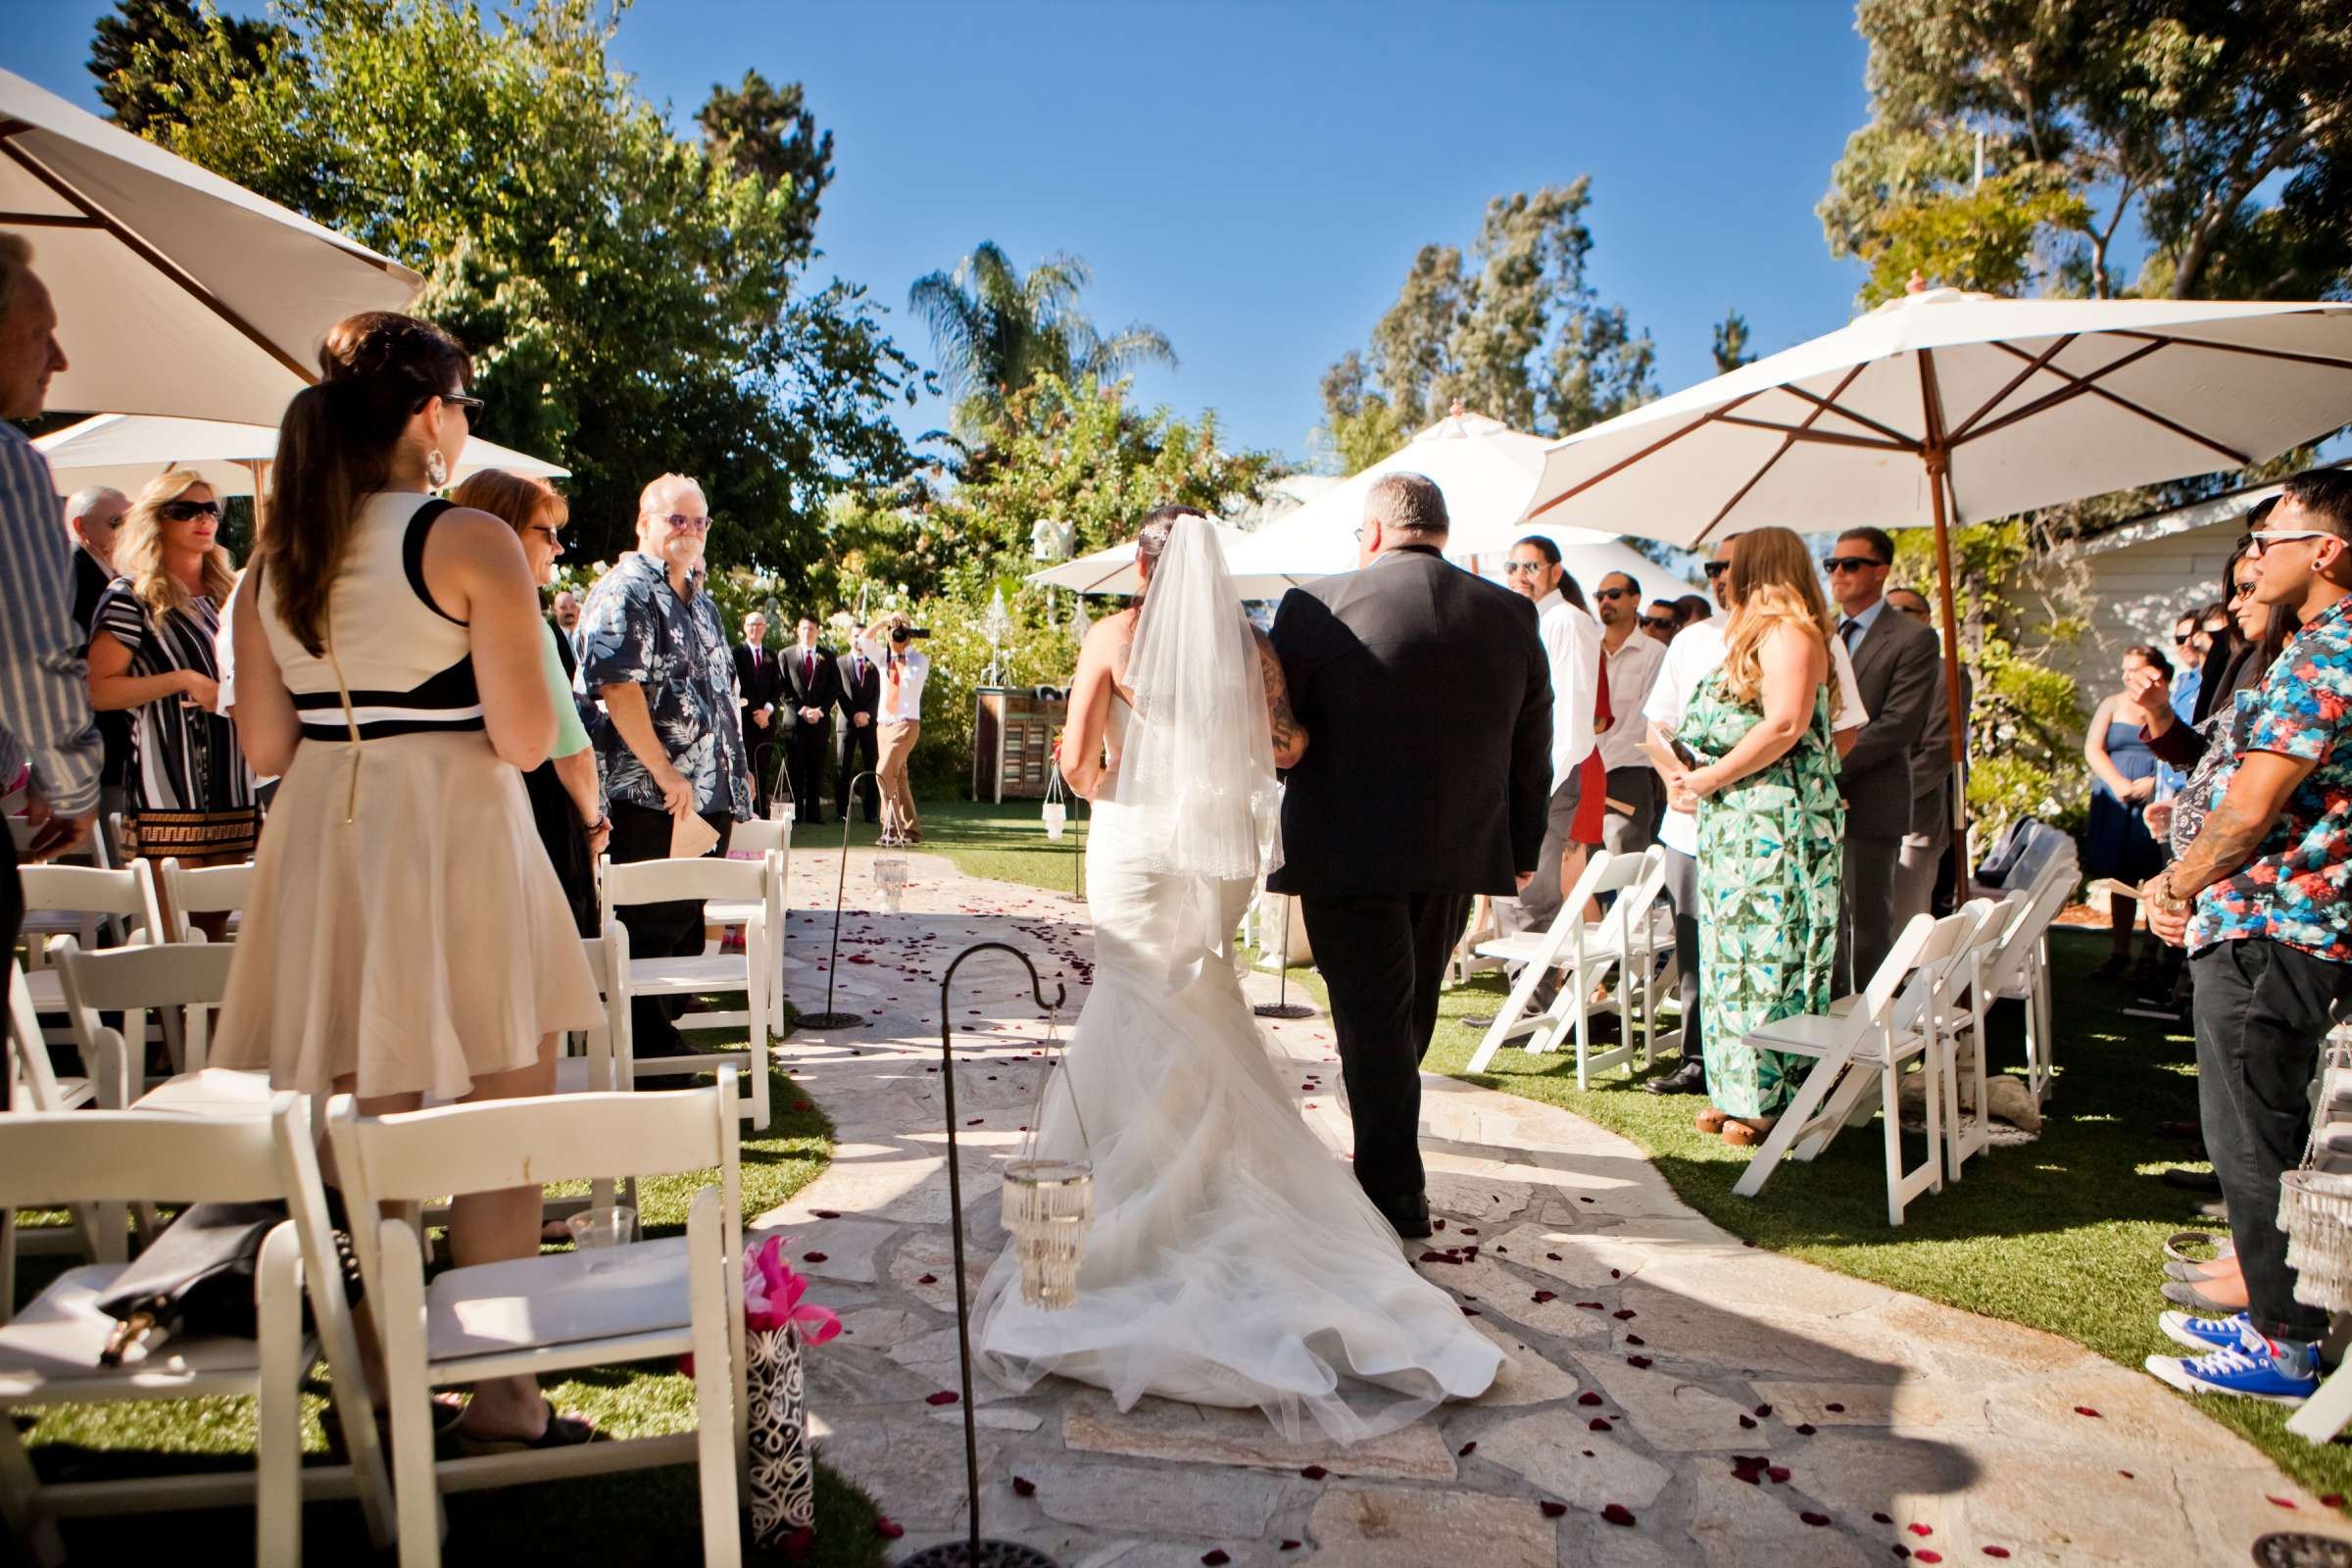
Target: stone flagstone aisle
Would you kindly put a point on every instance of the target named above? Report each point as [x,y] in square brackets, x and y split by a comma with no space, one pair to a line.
[1672,1395]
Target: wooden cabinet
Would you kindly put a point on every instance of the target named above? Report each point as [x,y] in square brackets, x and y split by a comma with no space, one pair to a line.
[1013,741]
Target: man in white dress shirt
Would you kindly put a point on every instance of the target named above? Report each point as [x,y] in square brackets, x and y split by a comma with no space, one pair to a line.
[1572,649]
[890,644]
[1633,661]
[1696,652]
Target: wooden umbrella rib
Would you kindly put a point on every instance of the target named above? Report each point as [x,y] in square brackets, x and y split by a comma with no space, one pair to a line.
[1830,405]
[2089,385]
[2057,347]
[2076,386]
[155,259]
[1837,438]
[1583,485]
[1787,442]
[2327,362]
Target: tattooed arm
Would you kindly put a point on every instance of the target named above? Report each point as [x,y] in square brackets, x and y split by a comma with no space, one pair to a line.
[2232,832]
[1289,736]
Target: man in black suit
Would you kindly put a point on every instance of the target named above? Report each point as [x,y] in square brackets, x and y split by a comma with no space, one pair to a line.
[1427,694]
[856,748]
[1898,665]
[756,684]
[92,516]
[807,687]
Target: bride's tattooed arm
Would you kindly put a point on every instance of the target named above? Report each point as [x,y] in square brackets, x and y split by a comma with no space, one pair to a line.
[1289,736]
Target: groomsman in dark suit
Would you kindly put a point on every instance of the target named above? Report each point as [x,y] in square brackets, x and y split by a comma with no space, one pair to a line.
[1898,665]
[1427,694]
[756,684]
[856,747]
[809,686]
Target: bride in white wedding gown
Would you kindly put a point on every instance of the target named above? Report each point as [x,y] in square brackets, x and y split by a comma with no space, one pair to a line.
[1232,1259]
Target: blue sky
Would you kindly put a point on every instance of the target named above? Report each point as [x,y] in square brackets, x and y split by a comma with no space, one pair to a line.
[1255,178]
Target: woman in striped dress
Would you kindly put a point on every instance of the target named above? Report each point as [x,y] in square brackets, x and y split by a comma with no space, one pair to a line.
[189,793]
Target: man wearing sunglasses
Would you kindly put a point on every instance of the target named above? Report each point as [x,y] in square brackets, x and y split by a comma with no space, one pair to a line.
[1659,623]
[655,652]
[1898,665]
[2261,900]
[1632,661]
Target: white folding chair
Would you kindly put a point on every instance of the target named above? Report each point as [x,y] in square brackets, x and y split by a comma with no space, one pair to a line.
[2019,967]
[98,908]
[1483,928]
[1586,952]
[1853,1046]
[182,978]
[548,1312]
[32,1080]
[753,883]
[50,1355]
[98,1231]
[1965,997]
[757,837]
[202,890]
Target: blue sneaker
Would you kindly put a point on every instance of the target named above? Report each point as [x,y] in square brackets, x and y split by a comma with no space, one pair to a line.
[2281,1371]
[2203,1333]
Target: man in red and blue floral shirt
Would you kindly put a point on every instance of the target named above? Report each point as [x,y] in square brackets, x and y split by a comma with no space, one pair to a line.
[2263,900]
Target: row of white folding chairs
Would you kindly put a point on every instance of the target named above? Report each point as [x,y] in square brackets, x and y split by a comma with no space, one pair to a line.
[528,1316]
[1629,941]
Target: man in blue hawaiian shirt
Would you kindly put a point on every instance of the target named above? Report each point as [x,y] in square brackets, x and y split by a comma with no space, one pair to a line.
[2263,900]
[655,649]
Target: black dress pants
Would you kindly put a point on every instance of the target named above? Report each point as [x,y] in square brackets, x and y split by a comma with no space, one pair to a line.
[2263,1010]
[860,751]
[1384,960]
[11,917]
[657,930]
[804,753]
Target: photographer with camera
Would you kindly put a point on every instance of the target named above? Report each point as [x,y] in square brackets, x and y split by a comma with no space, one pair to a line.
[890,644]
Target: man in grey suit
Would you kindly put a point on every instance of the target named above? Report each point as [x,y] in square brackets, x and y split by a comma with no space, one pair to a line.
[1429,698]
[1896,664]
[1931,835]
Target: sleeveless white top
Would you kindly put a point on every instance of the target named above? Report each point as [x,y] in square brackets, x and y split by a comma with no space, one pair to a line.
[409,665]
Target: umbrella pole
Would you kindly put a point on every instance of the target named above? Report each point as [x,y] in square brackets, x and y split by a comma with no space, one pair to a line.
[1940,465]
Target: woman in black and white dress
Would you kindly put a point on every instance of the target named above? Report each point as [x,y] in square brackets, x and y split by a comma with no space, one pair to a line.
[189,791]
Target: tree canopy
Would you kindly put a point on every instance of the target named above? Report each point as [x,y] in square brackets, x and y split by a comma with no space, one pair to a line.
[997,331]
[2222,132]
[635,303]
[1524,339]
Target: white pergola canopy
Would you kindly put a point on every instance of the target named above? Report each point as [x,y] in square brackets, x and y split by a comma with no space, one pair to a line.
[125,450]
[177,292]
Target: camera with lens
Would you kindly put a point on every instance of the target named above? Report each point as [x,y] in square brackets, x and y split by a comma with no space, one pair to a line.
[903,634]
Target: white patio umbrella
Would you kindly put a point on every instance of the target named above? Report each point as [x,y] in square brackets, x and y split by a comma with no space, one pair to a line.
[1112,570]
[126,450]
[177,291]
[1943,407]
[1487,470]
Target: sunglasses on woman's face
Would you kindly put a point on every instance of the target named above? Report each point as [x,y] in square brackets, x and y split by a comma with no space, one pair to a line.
[190,511]
[2242,589]
[472,407]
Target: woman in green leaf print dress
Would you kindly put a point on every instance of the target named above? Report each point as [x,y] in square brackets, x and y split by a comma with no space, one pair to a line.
[1771,828]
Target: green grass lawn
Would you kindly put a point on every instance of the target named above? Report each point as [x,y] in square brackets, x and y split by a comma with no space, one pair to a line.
[1004,843]
[637,1517]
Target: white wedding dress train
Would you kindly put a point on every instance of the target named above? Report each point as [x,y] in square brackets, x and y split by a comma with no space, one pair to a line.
[1232,1259]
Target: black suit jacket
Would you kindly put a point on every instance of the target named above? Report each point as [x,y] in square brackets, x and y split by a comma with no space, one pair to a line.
[855,697]
[570,661]
[1427,703]
[1898,667]
[793,693]
[759,683]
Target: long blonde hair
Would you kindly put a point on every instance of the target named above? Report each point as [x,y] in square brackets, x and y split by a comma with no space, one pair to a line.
[1773,586]
[140,548]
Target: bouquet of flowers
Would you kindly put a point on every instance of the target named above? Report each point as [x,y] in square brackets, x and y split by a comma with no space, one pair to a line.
[775,1316]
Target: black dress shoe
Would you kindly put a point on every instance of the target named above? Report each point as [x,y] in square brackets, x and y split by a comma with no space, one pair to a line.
[1408,1216]
[2190,1181]
[1690,1078]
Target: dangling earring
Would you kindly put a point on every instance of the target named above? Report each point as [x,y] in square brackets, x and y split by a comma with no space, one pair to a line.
[437,469]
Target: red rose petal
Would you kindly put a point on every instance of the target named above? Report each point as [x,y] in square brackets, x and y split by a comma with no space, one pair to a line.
[1587,1397]
[2085,1409]
[942,1397]
[1554,1257]
[1617,1513]
[1315,1472]
[1469,1229]
[1615,1275]
[2332,1499]
[826,1213]
[2284,1503]
[1997,1551]
[1835,1410]
[1763,1410]
[1023,1487]
[2127,1475]
[1551,1509]
[1919,1530]
[812,1257]
[1634,1339]
[1816,1520]
[1636,1360]
[1883,1518]
[1215,1559]
[1545,1295]
[1292,1545]
[888,1529]
[928,1278]
[1805,1429]
[1465,1450]
[1778,1472]
[1622,1314]
[1600,1424]
[1901,1550]
[1749,1422]
[1924,1556]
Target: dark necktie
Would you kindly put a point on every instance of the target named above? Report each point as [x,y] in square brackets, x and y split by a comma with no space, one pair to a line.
[1848,632]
